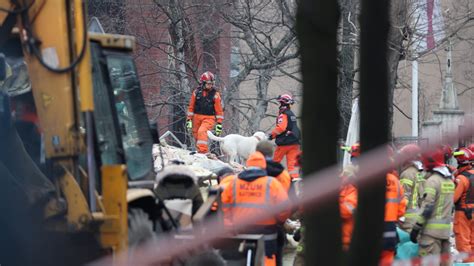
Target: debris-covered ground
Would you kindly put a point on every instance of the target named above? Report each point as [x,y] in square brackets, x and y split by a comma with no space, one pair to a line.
[203,165]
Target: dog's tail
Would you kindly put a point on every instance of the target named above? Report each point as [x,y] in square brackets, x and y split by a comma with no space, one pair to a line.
[214,137]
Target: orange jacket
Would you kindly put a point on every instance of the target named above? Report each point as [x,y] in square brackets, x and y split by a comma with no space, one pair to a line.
[347,206]
[222,185]
[217,106]
[462,185]
[285,180]
[249,194]
[280,173]
[395,203]
[282,124]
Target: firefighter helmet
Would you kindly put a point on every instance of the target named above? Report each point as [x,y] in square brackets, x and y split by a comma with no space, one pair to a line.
[463,156]
[285,99]
[447,152]
[433,159]
[471,147]
[355,150]
[412,150]
[207,77]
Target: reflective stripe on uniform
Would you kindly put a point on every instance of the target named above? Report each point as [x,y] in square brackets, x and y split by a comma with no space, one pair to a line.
[270,237]
[219,116]
[420,177]
[294,171]
[438,226]
[201,142]
[447,187]
[267,191]
[397,200]
[349,206]
[190,113]
[411,215]
[245,205]
[406,181]
[389,234]
[430,191]
[250,205]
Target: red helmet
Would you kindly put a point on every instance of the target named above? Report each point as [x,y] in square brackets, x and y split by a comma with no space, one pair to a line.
[447,152]
[463,156]
[433,159]
[471,147]
[355,150]
[412,150]
[285,99]
[207,77]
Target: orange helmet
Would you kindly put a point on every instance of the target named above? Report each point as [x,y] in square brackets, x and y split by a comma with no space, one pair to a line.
[463,156]
[355,150]
[207,77]
[433,159]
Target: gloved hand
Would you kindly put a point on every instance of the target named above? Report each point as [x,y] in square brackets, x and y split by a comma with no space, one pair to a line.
[189,124]
[297,235]
[218,129]
[270,137]
[468,213]
[415,232]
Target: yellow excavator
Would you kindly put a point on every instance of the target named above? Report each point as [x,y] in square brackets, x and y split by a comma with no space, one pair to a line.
[76,171]
[87,192]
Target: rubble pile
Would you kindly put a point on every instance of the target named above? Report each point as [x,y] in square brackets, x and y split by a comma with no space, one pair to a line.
[203,165]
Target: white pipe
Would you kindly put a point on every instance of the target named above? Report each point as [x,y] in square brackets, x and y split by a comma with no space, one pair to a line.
[414,98]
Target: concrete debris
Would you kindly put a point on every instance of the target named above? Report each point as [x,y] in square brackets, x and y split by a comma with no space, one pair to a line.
[201,164]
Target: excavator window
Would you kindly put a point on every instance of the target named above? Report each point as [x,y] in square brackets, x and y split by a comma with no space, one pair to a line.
[119,105]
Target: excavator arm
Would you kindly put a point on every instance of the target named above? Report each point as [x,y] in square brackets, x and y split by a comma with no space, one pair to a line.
[81,142]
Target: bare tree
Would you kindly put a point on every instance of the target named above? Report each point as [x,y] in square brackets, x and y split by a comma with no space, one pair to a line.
[348,43]
[266,36]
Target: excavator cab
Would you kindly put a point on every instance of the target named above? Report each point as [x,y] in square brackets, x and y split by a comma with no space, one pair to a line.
[63,200]
[123,132]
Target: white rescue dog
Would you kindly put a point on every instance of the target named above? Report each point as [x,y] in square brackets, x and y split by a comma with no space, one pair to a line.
[235,145]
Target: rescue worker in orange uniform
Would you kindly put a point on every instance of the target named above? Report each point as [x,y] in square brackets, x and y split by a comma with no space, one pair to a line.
[205,109]
[395,207]
[433,224]
[287,135]
[250,193]
[347,204]
[276,170]
[464,203]
[412,180]
[224,177]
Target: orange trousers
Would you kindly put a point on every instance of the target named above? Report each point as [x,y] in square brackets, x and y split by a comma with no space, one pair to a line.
[270,261]
[291,152]
[387,256]
[201,124]
[464,234]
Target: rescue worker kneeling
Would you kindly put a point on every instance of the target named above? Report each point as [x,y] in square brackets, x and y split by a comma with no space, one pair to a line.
[251,193]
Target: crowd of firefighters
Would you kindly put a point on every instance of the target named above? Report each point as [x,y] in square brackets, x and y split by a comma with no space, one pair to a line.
[420,197]
[420,201]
